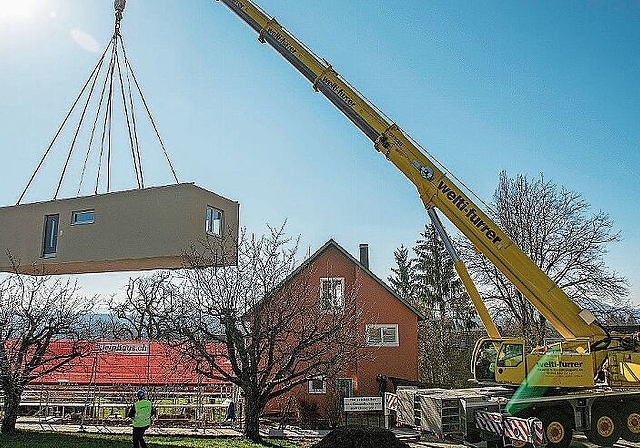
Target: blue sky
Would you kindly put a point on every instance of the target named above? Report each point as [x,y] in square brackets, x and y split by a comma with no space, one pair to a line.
[527,87]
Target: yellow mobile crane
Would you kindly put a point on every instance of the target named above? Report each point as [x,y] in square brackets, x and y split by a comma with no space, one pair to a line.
[591,377]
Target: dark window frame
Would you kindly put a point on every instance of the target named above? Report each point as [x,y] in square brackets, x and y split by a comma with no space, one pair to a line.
[77,213]
[50,236]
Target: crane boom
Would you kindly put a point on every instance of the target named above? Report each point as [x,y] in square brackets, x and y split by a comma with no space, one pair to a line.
[488,323]
[434,188]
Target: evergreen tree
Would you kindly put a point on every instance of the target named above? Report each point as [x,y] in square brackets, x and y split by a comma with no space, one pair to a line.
[402,279]
[436,280]
[436,290]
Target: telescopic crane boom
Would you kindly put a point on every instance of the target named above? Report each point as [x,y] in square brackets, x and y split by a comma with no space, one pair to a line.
[434,188]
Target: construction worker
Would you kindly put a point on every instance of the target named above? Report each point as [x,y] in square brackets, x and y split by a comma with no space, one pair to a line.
[141,413]
[230,414]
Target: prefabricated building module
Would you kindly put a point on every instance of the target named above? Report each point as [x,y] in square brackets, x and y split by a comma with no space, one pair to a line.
[133,230]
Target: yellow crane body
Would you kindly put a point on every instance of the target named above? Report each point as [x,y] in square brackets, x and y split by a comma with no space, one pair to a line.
[547,377]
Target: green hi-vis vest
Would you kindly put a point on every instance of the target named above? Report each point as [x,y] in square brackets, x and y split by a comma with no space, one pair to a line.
[143,414]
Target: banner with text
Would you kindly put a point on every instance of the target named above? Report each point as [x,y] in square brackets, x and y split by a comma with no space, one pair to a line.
[124,348]
[362,404]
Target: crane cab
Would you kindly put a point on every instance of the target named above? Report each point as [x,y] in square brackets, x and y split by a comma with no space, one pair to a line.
[566,363]
[499,361]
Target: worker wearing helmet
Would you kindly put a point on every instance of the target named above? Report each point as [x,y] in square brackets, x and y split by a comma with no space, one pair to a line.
[141,412]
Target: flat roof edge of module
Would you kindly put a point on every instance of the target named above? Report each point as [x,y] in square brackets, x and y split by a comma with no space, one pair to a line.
[123,192]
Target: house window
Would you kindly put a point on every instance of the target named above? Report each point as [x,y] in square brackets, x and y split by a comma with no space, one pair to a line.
[344,387]
[382,335]
[83,217]
[331,293]
[317,385]
[213,224]
[50,242]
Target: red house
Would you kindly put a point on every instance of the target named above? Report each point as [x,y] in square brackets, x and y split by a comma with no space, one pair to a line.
[389,326]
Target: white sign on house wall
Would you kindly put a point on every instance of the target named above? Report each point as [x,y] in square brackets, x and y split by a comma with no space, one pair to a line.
[362,404]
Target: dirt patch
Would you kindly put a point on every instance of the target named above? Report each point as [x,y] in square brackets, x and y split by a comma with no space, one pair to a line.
[360,437]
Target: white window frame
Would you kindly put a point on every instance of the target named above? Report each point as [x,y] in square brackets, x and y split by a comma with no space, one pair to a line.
[210,221]
[78,213]
[381,342]
[337,302]
[316,390]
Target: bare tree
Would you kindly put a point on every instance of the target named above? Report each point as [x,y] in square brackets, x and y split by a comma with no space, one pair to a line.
[136,315]
[258,326]
[36,314]
[557,230]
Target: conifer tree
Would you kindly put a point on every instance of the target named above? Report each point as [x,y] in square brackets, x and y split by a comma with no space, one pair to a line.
[438,293]
[402,279]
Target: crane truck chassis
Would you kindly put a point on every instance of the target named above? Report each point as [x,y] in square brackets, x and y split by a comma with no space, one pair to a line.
[589,381]
[507,416]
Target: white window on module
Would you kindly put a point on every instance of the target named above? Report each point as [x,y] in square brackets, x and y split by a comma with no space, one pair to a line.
[213,223]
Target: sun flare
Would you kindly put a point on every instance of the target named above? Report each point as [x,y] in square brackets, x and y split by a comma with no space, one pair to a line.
[17,10]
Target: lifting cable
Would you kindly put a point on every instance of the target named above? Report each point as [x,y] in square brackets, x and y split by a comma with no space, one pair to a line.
[103,120]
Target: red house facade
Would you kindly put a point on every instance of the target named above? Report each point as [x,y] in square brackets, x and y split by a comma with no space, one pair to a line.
[388,325]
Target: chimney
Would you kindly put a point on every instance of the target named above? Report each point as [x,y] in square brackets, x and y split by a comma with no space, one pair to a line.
[364,255]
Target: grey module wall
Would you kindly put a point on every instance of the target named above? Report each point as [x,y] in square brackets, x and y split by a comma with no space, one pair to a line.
[132,230]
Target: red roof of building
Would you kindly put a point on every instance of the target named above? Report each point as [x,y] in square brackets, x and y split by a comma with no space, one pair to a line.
[127,362]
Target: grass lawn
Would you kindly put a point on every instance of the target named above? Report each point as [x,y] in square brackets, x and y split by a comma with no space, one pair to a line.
[24,439]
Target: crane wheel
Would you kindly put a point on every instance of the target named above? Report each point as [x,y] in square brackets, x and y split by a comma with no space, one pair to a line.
[606,426]
[631,422]
[558,428]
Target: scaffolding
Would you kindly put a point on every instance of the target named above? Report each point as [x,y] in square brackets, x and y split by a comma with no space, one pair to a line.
[177,405]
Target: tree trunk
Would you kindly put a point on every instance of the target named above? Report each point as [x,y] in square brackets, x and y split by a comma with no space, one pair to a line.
[252,410]
[11,404]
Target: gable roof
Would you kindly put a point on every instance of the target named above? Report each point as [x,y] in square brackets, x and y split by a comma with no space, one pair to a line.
[333,244]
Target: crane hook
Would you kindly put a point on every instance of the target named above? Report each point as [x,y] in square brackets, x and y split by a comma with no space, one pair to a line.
[119,7]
